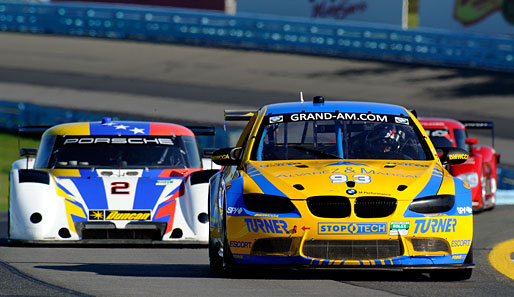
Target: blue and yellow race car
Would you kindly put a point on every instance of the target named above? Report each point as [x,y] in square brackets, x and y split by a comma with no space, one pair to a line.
[339,185]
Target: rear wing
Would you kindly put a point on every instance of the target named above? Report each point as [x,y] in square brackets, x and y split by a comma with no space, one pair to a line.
[32,130]
[482,125]
[239,115]
[203,130]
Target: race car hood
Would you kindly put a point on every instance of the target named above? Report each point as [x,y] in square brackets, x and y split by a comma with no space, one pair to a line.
[128,189]
[403,180]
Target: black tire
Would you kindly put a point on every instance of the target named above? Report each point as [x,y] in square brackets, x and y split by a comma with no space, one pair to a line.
[215,261]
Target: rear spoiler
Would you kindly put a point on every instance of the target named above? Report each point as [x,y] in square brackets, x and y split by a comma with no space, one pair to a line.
[203,130]
[32,130]
[483,125]
[239,115]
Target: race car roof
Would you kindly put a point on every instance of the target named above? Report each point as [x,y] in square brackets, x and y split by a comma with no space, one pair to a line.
[119,128]
[329,106]
[438,123]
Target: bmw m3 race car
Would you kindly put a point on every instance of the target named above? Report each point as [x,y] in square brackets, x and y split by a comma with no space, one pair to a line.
[480,170]
[339,185]
[122,182]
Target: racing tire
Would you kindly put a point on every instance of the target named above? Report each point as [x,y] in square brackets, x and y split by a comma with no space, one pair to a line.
[215,261]
[228,258]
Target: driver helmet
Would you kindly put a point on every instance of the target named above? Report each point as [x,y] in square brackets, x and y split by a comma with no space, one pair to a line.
[384,138]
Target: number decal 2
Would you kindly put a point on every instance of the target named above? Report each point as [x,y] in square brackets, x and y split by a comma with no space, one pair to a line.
[358,178]
[117,188]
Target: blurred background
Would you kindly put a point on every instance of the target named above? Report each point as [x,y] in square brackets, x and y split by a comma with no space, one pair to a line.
[186,61]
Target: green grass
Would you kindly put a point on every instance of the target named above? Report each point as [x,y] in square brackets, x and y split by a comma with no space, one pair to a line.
[10,152]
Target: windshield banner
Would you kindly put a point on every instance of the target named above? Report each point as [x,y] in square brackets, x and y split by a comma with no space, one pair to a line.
[347,116]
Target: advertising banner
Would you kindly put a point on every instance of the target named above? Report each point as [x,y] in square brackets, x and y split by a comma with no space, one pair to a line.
[392,12]
[194,4]
[483,16]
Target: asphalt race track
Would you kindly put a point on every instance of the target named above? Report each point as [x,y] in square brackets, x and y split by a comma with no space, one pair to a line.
[179,83]
[147,271]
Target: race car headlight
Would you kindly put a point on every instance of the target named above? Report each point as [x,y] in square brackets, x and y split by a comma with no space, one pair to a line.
[268,203]
[470,178]
[433,204]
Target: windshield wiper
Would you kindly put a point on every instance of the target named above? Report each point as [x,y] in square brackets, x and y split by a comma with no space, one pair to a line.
[316,152]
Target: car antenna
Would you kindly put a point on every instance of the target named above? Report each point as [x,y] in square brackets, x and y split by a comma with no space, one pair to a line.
[301,96]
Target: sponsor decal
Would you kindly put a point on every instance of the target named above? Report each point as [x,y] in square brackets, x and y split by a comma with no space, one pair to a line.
[95,215]
[403,121]
[315,116]
[458,156]
[351,191]
[465,210]
[164,182]
[118,140]
[276,119]
[351,228]
[338,9]
[373,193]
[399,228]
[116,215]
[281,164]
[267,215]
[346,163]
[406,164]
[437,132]
[266,226]
[459,243]
[220,157]
[241,244]
[435,225]
[234,210]
[373,172]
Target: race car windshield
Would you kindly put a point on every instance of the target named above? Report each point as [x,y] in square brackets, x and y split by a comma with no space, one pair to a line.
[124,152]
[345,139]
[440,137]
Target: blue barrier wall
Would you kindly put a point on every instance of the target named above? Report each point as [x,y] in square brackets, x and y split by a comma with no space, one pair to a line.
[15,114]
[261,32]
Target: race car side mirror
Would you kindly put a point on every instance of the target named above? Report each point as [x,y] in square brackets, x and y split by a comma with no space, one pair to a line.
[452,155]
[227,156]
[471,141]
[26,152]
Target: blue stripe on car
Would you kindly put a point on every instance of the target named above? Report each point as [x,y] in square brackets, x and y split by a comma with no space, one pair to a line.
[125,128]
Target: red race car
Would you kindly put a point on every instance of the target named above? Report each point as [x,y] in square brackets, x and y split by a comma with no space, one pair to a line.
[480,170]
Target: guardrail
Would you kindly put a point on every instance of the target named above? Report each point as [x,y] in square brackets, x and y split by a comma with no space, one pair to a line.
[262,32]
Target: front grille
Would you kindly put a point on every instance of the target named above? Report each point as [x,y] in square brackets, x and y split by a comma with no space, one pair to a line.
[329,206]
[352,249]
[278,245]
[374,207]
[133,230]
[430,245]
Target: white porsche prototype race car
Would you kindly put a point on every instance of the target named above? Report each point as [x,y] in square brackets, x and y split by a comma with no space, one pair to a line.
[122,182]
